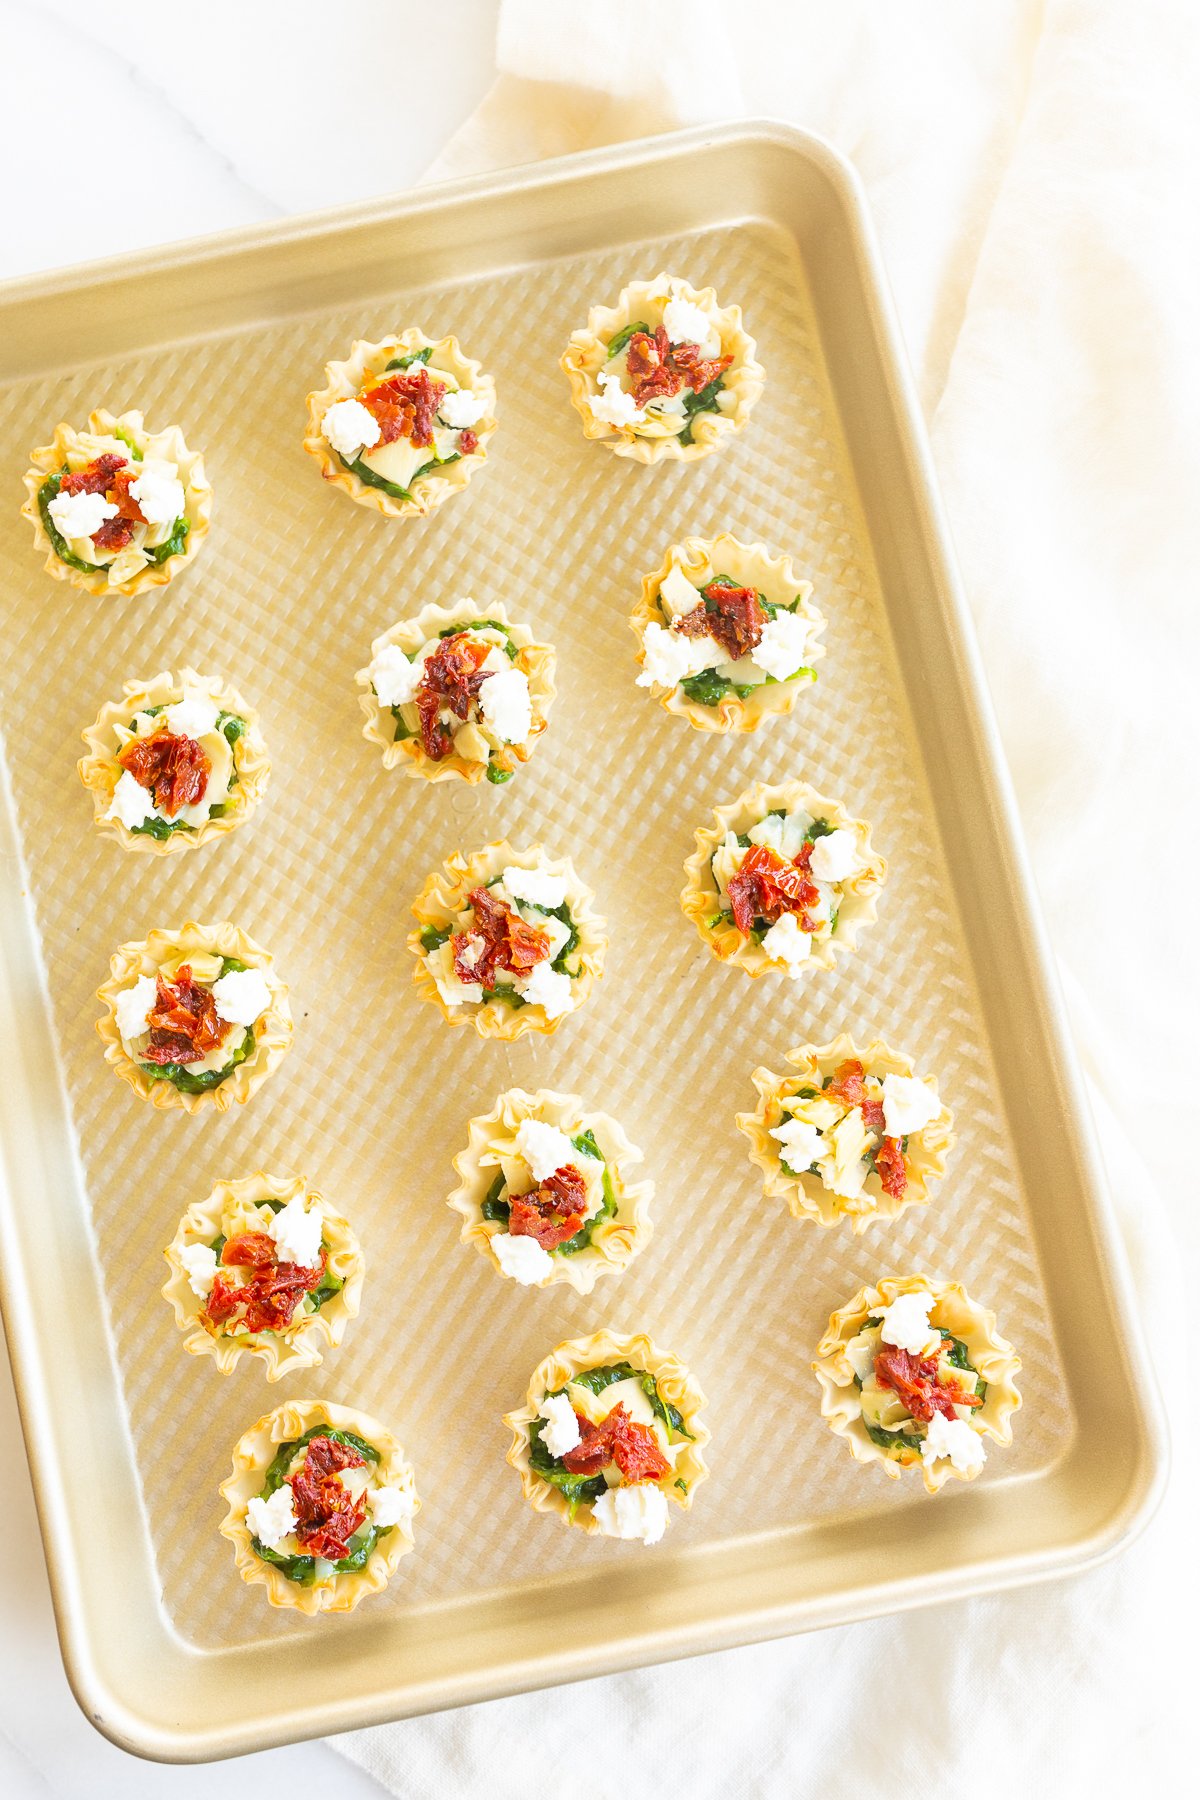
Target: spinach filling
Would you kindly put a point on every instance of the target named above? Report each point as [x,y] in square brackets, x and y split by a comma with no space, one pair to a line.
[303,1569]
[818,829]
[330,1284]
[496,1207]
[180,1075]
[48,491]
[956,1354]
[704,401]
[495,774]
[232,727]
[581,1489]
[708,688]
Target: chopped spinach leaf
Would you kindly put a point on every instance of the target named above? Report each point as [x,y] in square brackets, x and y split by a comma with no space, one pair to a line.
[434,936]
[414,356]
[498,776]
[620,341]
[705,401]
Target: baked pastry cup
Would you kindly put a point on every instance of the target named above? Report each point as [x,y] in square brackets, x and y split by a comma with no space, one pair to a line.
[966,1356]
[701,397]
[208,745]
[264,1267]
[563,958]
[270,1454]
[780,831]
[498,730]
[662,1431]
[775,627]
[145,541]
[853,1134]
[193,1012]
[402,477]
[582,1215]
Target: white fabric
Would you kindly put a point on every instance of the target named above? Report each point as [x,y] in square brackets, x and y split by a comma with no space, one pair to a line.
[1024,163]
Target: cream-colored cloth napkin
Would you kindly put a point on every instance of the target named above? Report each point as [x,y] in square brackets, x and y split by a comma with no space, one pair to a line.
[1026,165]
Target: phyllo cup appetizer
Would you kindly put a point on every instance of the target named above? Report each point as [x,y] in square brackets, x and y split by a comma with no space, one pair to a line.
[402,424]
[117,509]
[174,763]
[506,940]
[782,880]
[914,1371]
[457,691]
[609,1433]
[853,1134]
[666,373]
[321,1506]
[546,1194]
[263,1267]
[194,1018]
[726,634]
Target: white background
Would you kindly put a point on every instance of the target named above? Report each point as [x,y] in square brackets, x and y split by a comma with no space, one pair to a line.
[1032,168]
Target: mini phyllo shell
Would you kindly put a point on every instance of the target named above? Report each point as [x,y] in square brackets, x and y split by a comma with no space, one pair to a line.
[195,1018]
[609,1432]
[263,1267]
[457,691]
[321,1506]
[854,1134]
[914,1371]
[402,424]
[782,880]
[545,1191]
[174,763]
[665,374]
[506,940]
[726,634]
[117,509]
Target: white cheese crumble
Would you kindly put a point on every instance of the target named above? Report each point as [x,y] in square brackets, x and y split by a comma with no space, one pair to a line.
[612,405]
[835,856]
[783,647]
[547,988]
[349,428]
[670,657]
[639,1511]
[297,1233]
[195,716]
[677,594]
[905,1324]
[505,704]
[846,1181]
[158,492]
[686,322]
[800,1143]
[242,996]
[80,515]
[390,1506]
[394,678]
[544,1148]
[538,886]
[908,1105]
[273,1519]
[131,803]
[200,1266]
[787,942]
[134,1006]
[953,1438]
[462,408]
[521,1257]
[562,1427]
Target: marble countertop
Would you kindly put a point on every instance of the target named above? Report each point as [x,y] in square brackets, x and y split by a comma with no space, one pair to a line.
[222,115]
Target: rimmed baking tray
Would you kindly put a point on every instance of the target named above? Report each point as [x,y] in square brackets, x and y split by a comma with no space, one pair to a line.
[168,1653]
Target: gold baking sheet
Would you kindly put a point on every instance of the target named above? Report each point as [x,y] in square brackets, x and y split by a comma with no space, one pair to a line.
[372,1103]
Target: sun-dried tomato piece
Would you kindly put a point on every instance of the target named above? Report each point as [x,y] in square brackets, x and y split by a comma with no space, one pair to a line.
[915,1380]
[553,1211]
[111,476]
[184,1025]
[735,619]
[96,478]
[405,405]
[698,371]
[249,1250]
[453,677]
[500,939]
[468,442]
[891,1167]
[268,1300]
[766,887]
[650,368]
[328,1515]
[222,1301]
[174,770]
[617,1439]
[848,1084]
